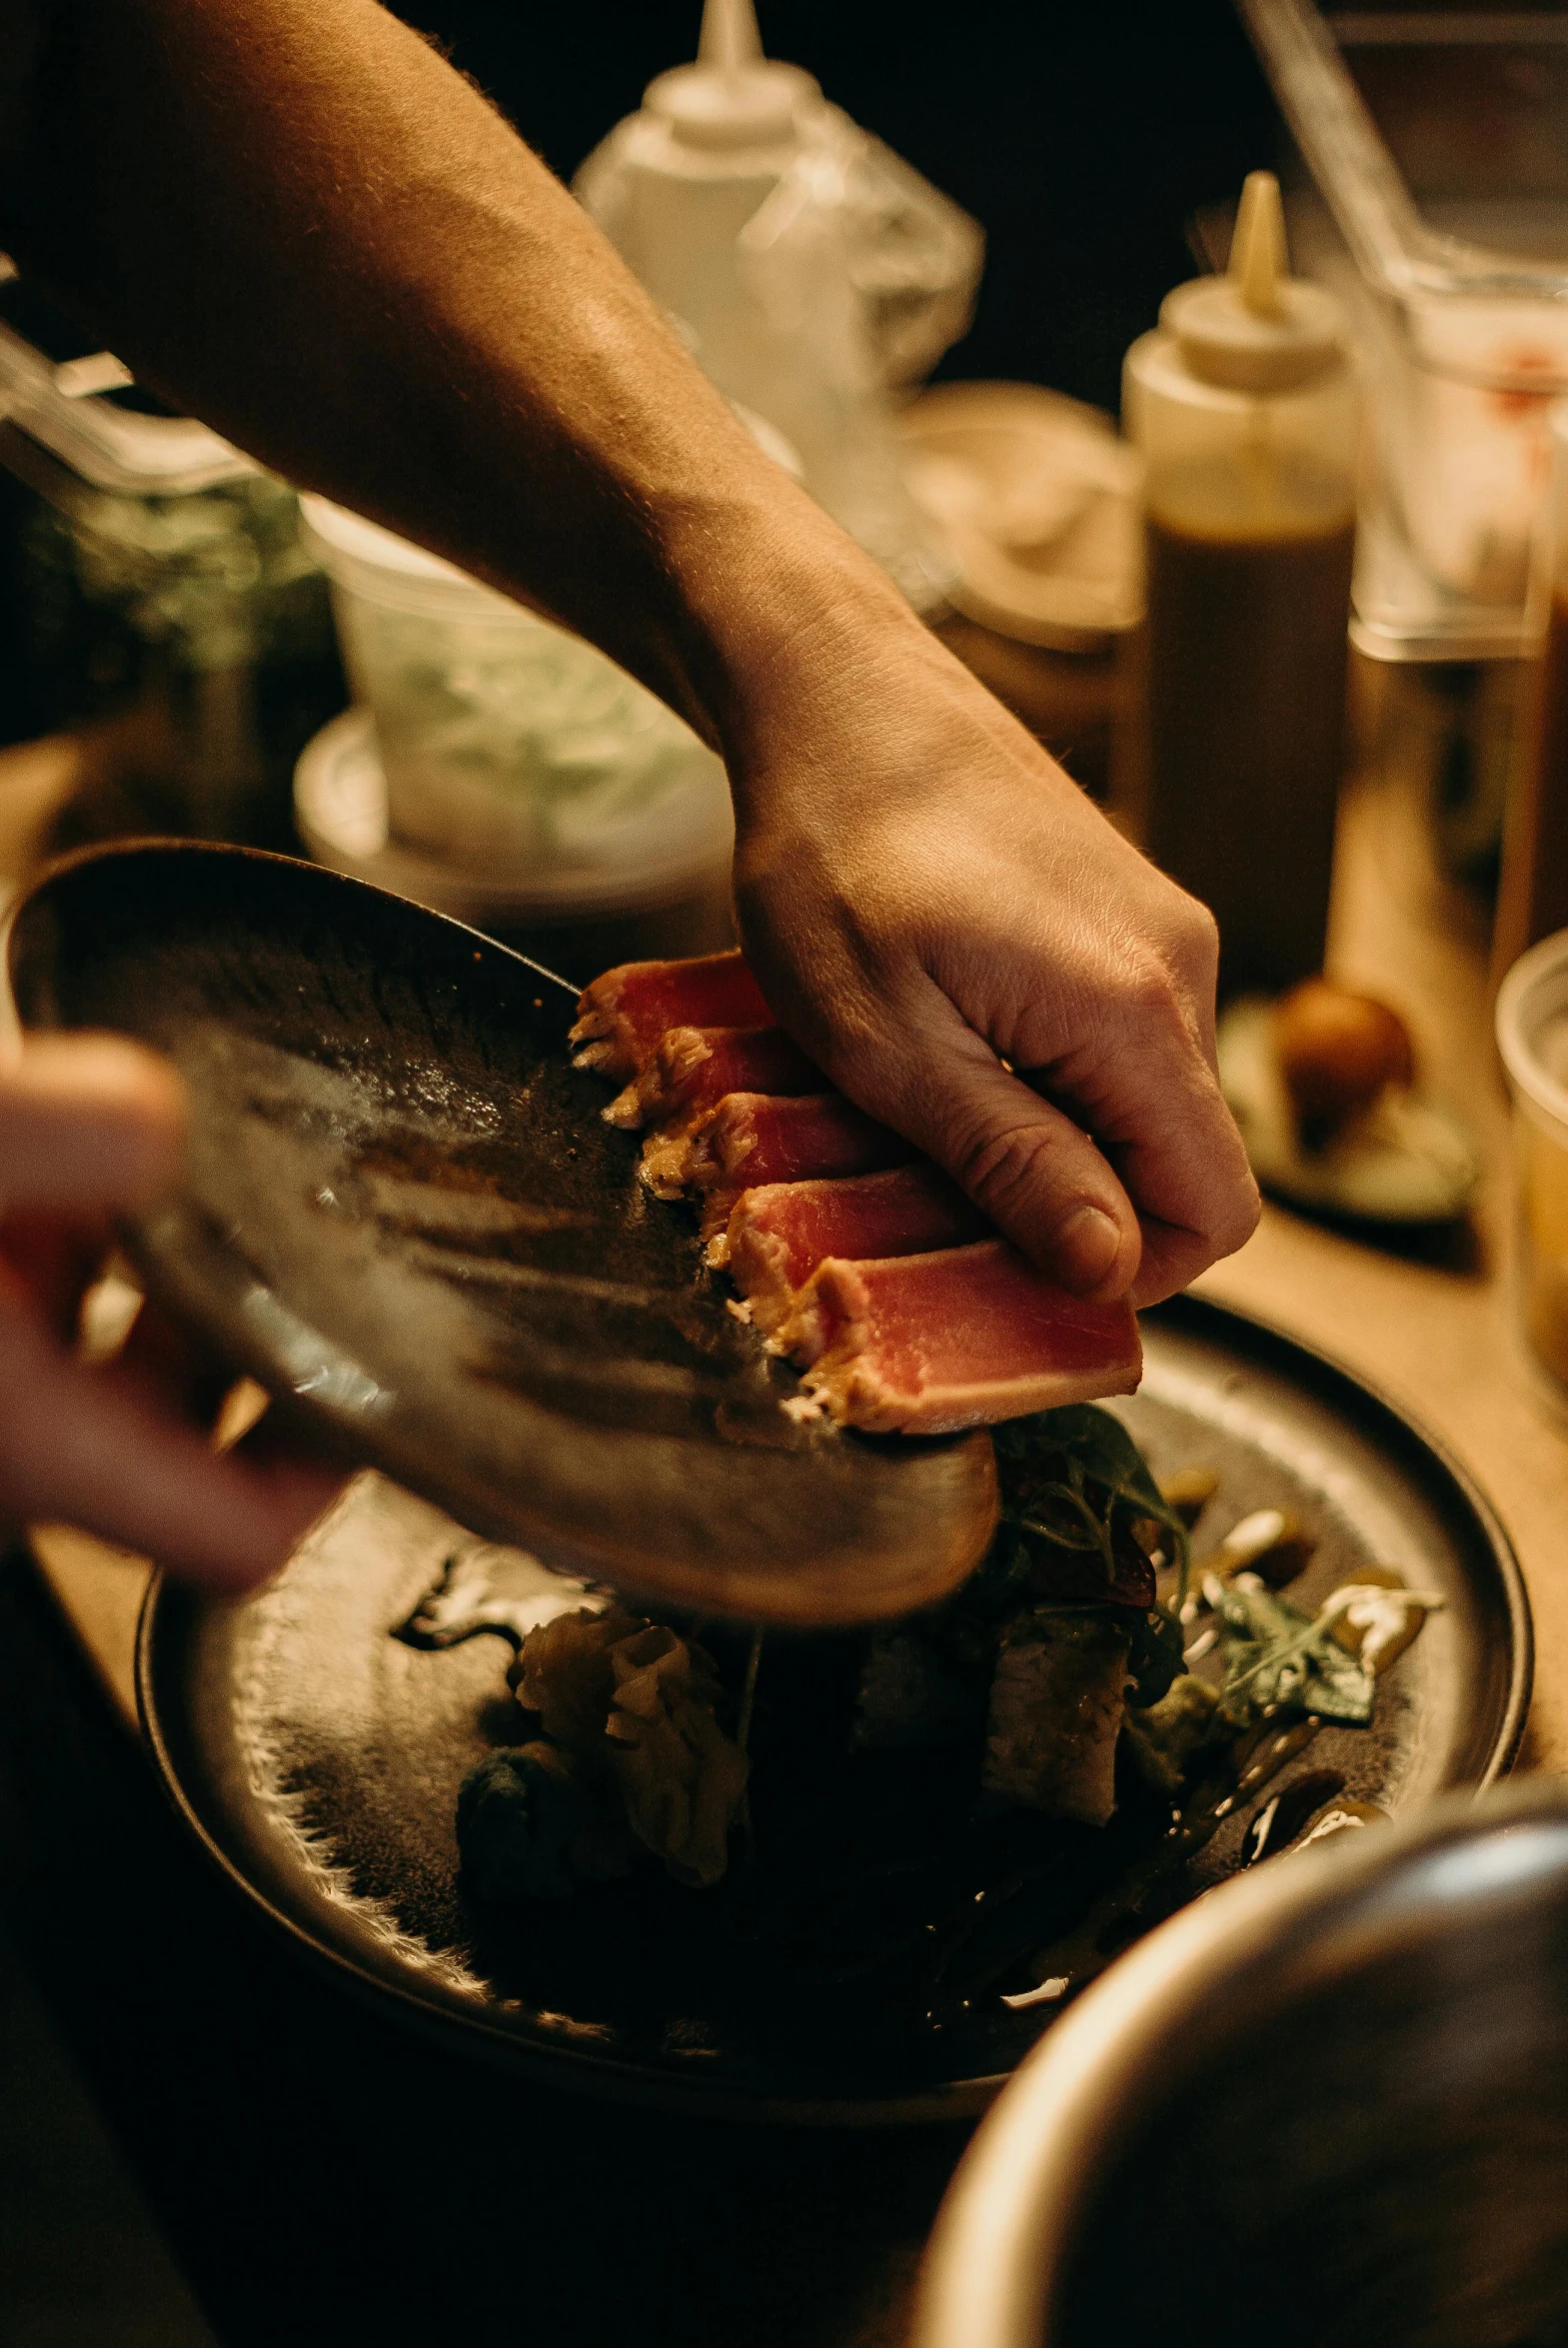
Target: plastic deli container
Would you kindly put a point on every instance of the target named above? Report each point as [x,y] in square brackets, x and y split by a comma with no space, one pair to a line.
[1435,198]
[1532,1039]
[812,272]
[511,746]
[340,811]
[153,589]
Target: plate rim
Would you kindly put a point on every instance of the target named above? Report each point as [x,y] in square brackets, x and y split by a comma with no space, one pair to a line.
[610,2076]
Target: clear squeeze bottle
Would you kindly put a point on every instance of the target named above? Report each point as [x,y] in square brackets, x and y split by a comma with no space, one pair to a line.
[1245,405]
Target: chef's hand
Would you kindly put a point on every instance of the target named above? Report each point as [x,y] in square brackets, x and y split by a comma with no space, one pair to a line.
[89,1124]
[925,896]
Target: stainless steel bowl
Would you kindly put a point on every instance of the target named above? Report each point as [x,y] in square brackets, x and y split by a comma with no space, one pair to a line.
[1326,2104]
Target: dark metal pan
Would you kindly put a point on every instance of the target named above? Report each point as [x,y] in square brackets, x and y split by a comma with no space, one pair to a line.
[406,1218]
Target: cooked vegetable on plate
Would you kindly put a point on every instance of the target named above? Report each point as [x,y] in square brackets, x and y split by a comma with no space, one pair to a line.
[854,1813]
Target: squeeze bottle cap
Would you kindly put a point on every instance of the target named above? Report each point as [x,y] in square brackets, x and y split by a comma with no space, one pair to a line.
[1258,328]
[733,96]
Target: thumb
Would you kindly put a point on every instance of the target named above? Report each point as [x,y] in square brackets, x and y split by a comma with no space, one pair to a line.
[88,1122]
[1027,1166]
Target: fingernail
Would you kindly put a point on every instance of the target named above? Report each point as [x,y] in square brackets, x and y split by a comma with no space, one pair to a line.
[1087,1244]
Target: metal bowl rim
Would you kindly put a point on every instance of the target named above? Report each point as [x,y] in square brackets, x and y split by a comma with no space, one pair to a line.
[1009,2222]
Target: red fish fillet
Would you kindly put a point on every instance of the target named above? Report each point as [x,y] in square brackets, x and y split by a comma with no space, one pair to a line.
[692,1068]
[779,1235]
[622,1015]
[925,1345]
[754,1137]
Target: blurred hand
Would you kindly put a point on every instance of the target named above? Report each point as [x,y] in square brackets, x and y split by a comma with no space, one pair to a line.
[925,896]
[89,1124]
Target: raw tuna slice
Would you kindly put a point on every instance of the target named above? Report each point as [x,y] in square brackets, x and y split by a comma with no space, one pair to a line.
[923,1344]
[754,1138]
[624,1013]
[778,1235]
[692,1068]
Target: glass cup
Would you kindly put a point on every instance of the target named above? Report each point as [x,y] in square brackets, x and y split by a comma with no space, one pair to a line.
[1532,1036]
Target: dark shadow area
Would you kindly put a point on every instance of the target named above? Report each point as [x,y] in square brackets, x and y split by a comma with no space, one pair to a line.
[81,2261]
[323,2177]
[1454,1247]
[1080,139]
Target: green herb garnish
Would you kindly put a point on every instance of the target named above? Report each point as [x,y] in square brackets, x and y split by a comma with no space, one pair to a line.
[1277,1656]
[1073,1480]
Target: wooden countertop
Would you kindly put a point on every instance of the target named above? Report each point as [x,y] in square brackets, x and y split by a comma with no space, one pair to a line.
[1440,1337]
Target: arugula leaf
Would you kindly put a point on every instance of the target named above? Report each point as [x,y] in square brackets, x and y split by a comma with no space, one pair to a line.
[1277,1655]
[1094,1438]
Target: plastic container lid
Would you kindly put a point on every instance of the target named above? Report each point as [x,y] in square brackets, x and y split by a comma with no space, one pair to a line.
[1258,328]
[340,801]
[368,560]
[1037,500]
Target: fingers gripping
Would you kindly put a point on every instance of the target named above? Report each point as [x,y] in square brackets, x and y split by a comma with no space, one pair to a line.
[1036,1173]
[1042,1181]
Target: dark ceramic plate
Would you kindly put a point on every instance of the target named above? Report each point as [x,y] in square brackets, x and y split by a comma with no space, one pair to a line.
[317,1756]
[406,1218]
